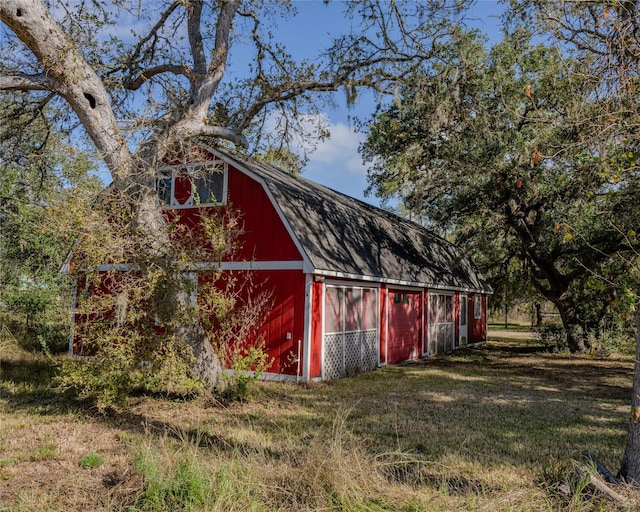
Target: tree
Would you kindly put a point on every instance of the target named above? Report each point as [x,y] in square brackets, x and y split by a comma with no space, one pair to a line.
[606,33]
[38,175]
[496,149]
[141,99]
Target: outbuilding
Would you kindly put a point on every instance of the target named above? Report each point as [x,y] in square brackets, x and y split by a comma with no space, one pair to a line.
[353,287]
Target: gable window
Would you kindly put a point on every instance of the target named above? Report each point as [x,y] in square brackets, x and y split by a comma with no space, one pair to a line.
[477,307]
[193,185]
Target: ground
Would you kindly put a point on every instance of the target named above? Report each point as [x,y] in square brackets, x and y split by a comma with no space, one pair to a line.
[496,427]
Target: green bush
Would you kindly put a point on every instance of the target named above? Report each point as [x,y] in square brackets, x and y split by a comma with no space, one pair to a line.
[247,365]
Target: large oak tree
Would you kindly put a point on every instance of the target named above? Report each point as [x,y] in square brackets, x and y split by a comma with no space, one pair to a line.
[606,33]
[528,151]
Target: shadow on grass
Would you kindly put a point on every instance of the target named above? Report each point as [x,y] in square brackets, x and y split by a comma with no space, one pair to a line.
[507,402]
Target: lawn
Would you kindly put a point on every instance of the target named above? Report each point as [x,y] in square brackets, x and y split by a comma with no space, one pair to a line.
[497,427]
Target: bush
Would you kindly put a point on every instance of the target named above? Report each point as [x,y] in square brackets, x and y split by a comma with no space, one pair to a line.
[247,365]
[554,338]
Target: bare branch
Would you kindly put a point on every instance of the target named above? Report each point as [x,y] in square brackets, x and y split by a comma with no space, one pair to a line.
[205,87]
[40,82]
[194,18]
[136,83]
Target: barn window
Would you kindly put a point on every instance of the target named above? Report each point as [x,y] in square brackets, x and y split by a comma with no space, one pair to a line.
[477,307]
[401,298]
[193,185]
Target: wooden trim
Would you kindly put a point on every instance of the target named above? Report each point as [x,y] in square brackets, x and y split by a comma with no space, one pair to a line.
[308,313]
[210,265]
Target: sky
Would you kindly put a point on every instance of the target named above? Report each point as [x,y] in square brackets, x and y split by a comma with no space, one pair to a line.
[336,163]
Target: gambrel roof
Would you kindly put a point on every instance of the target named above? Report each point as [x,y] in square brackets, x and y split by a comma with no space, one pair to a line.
[347,238]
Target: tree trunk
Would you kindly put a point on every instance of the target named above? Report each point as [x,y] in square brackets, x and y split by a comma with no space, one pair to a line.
[570,320]
[630,467]
[538,315]
[172,294]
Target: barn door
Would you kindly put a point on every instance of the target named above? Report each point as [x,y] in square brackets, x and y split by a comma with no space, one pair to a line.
[350,331]
[441,329]
[404,325]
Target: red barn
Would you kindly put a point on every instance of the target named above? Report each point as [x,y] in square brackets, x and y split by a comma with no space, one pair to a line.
[354,287]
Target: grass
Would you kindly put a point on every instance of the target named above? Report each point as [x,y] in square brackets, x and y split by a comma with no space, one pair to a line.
[91,460]
[499,427]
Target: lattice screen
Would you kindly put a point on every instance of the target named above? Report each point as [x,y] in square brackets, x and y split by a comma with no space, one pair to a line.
[333,360]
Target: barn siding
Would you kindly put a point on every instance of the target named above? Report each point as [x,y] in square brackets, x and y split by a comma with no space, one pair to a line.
[317,305]
[264,236]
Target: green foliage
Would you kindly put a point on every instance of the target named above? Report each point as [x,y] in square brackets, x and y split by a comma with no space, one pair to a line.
[247,365]
[500,150]
[44,188]
[91,460]
[129,329]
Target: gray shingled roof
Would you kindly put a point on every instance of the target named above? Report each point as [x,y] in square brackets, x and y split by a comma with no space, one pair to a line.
[345,237]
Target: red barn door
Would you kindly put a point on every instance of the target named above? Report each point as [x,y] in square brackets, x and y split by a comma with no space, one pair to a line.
[404,328]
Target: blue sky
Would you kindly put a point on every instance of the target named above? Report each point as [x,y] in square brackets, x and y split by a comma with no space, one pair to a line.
[336,163]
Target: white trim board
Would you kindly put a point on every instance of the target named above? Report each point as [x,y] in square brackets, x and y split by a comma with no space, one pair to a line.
[206,265]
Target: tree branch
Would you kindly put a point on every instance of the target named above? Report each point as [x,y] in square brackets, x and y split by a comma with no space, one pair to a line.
[39,82]
[76,80]
[136,83]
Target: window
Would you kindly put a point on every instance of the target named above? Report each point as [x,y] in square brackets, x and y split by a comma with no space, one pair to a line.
[193,185]
[350,309]
[477,307]
[401,298]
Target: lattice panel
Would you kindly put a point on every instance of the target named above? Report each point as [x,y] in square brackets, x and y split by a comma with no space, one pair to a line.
[441,337]
[333,362]
[449,338]
[352,363]
[369,350]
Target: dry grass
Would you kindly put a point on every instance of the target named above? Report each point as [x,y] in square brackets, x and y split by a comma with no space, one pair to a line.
[500,427]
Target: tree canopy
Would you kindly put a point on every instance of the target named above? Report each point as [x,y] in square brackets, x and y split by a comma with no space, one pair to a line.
[502,150]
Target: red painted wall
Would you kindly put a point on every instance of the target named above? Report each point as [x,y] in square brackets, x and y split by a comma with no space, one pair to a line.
[262,234]
[284,313]
[383,324]
[405,325]
[264,237]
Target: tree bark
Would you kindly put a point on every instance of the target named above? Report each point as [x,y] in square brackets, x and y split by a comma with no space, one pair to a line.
[630,467]
[70,75]
[172,297]
[570,321]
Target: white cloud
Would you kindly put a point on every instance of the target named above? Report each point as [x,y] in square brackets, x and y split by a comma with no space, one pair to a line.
[340,149]
[337,164]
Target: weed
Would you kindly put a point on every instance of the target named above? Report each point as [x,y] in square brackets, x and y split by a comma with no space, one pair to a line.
[91,460]
[44,452]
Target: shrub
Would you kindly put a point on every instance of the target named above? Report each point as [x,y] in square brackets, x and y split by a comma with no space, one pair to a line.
[247,365]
